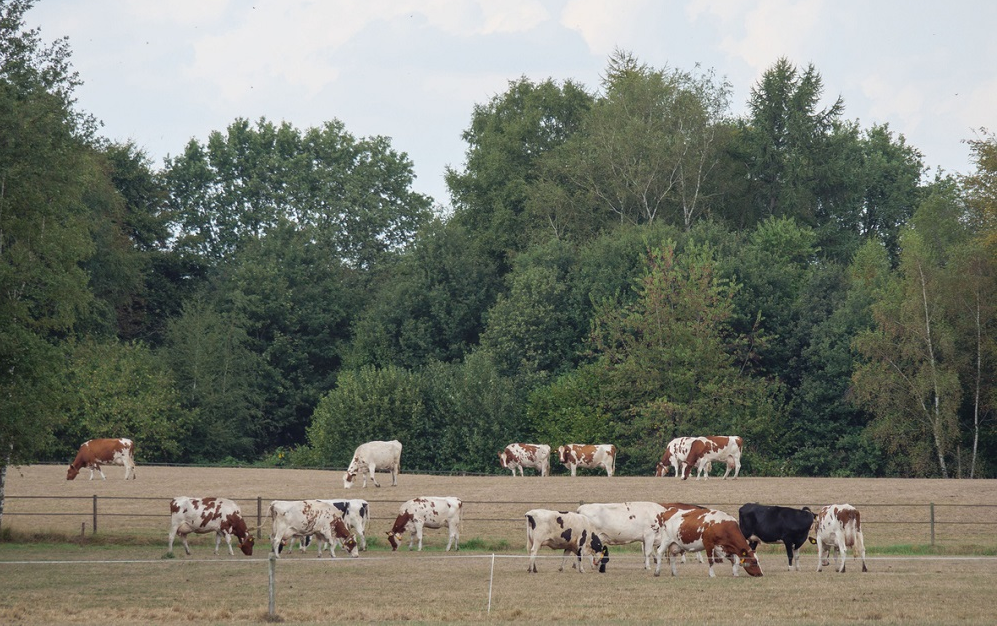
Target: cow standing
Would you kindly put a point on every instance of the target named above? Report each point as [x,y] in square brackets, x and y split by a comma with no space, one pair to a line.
[370,456]
[775,524]
[204,515]
[674,456]
[427,512]
[625,522]
[696,529]
[705,450]
[838,526]
[303,518]
[522,455]
[562,530]
[575,455]
[107,451]
[356,516]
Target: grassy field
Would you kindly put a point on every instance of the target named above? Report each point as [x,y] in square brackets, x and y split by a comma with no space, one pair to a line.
[122,573]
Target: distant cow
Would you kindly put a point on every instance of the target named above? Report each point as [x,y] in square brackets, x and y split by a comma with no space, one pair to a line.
[625,522]
[705,450]
[370,456]
[521,455]
[205,515]
[674,456]
[775,524]
[107,451]
[699,529]
[838,526]
[303,518]
[562,530]
[427,512]
[575,455]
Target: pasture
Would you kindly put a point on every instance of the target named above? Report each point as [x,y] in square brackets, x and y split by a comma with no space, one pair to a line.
[122,574]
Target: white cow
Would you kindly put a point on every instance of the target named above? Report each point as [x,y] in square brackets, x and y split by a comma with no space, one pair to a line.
[520,455]
[675,456]
[206,515]
[303,518]
[561,530]
[356,516]
[575,455]
[370,456]
[625,522]
[427,512]
[838,526]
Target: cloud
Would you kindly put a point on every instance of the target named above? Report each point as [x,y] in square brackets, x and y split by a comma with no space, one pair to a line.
[604,25]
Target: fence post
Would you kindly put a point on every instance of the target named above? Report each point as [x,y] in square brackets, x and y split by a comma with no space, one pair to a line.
[491,578]
[272,606]
[259,517]
[932,524]
[94,515]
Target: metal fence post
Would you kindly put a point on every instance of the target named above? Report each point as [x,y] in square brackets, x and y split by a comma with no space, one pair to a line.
[94,515]
[272,607]
[932,524]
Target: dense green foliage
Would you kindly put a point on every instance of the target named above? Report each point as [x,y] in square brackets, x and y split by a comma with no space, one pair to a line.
[622,265]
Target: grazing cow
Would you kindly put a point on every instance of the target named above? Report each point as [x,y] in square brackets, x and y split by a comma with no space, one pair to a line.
[575,455]
[303,518]
[427,512]
[521,455]
[206,515]
[675,456]
[704,450]
[621,523]
[356,516]
[698,529]
[561,530]
[370,456]
[838,526]
[774,524]
[107,451]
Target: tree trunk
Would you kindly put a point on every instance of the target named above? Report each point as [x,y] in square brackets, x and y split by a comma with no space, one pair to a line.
[3,483]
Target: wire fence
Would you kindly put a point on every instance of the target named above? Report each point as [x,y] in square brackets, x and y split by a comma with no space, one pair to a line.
[923,523]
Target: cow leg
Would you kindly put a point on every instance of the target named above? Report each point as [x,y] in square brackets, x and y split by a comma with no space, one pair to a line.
[820,554]
[860,548]
[170,538]
[842,551]
[186,547]
[371,468]
[790,552]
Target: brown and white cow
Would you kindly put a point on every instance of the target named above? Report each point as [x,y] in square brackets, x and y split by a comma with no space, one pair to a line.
[522,455]
[674,456]
[370,456]
[562,530]
[685,528]
[107,451]
[427,512]
[575,455]
[838,526]
[705,450]
[620,523]
[356,516]
[205,515]
[303,518]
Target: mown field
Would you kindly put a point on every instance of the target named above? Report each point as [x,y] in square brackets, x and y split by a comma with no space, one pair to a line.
[122,573]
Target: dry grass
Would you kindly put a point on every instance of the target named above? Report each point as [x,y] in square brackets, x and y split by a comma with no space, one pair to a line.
[435,587]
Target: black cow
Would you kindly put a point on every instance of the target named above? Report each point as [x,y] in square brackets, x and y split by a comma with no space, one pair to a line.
[772,524]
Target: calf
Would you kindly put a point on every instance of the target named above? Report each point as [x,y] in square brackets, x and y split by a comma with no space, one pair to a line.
[774,524]
[627,522]
[427,512]
[838,526]
[521,455]
[370,456]
[699,529]
[303,518]
[107,451]
[205,515]
[575,455]
[561,530]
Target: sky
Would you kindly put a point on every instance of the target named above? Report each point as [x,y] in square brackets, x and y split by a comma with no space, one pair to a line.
[162,73]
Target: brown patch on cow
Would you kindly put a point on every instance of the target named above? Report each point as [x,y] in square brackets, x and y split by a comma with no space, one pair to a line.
[691,528]
[401,522]
[587,454]
[846,515]
[174,507]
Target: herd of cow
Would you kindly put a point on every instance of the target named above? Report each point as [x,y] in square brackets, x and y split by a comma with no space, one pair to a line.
[670,529]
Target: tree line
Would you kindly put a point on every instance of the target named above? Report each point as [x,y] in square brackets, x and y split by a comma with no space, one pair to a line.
[624,263]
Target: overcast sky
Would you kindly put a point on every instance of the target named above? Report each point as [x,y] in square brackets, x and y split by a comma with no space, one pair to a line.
[162,72]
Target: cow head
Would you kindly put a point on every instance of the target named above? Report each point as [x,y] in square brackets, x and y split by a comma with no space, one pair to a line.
[601,559]
[563,453]
[350,543]
[749,562]
[72,473]
[348,478]
[502,460]
[246,545]
[394,539]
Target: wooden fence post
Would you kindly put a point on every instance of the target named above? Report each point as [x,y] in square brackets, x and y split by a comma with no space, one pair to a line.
[272,605]
[259,517]
[932,524]
[94,515]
